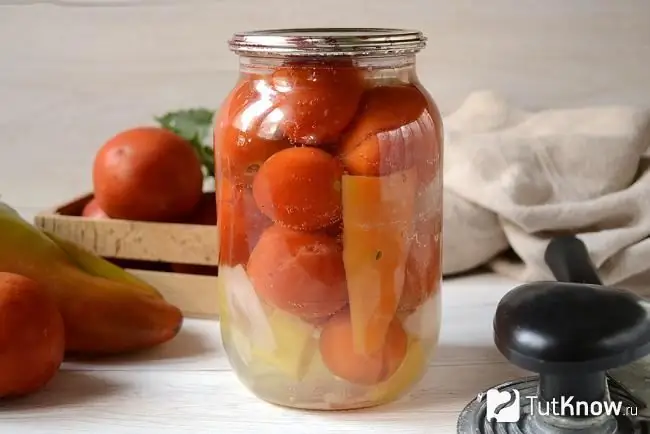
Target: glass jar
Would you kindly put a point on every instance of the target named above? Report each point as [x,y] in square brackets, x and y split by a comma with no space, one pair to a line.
[328,159]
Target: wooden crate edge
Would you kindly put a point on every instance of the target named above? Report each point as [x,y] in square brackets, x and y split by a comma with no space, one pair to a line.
[176,240]
[195,295]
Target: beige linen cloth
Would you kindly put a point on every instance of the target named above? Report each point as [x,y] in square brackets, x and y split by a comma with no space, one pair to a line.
[513,178]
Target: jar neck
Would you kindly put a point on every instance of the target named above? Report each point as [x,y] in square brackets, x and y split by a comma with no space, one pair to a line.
[260,64]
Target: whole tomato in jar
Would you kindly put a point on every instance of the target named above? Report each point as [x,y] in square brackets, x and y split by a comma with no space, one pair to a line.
[317,100]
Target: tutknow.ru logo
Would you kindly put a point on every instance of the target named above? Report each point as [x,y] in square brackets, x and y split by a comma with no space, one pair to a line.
[505,406]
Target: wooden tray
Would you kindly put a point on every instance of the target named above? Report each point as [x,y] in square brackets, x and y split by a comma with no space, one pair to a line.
[151,251]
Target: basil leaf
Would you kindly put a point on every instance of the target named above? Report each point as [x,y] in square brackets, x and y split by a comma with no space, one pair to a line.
[195,126]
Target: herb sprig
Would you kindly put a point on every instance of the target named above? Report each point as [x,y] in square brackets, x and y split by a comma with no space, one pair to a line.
[195,126]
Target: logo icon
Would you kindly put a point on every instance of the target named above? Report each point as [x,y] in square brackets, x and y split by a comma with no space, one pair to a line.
[503,406]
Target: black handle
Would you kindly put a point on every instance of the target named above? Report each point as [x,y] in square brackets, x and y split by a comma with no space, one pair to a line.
[569,261]
[571,333]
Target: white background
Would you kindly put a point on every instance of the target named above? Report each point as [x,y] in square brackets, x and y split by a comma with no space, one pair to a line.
[72,73]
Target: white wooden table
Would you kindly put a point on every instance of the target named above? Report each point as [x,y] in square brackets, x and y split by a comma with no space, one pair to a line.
[74,72]
[186,386]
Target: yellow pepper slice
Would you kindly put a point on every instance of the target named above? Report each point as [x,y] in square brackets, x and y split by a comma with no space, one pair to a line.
[409,373]
[296,345]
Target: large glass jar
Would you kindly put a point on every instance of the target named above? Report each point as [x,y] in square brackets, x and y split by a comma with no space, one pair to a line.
[328,167]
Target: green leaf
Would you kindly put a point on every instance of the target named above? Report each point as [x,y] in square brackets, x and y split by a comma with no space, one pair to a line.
[194,125]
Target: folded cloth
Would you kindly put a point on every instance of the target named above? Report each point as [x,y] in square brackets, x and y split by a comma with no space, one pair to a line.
[513,178]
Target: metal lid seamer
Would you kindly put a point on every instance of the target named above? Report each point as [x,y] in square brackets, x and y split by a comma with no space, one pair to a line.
[574,333]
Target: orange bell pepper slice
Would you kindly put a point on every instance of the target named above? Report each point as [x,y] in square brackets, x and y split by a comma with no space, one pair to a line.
[378,215]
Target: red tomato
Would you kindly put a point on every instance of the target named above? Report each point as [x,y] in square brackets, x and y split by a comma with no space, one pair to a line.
[246,134]
[317,102]
[148,174]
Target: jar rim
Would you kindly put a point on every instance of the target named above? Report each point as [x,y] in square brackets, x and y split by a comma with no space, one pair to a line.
[342,41]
